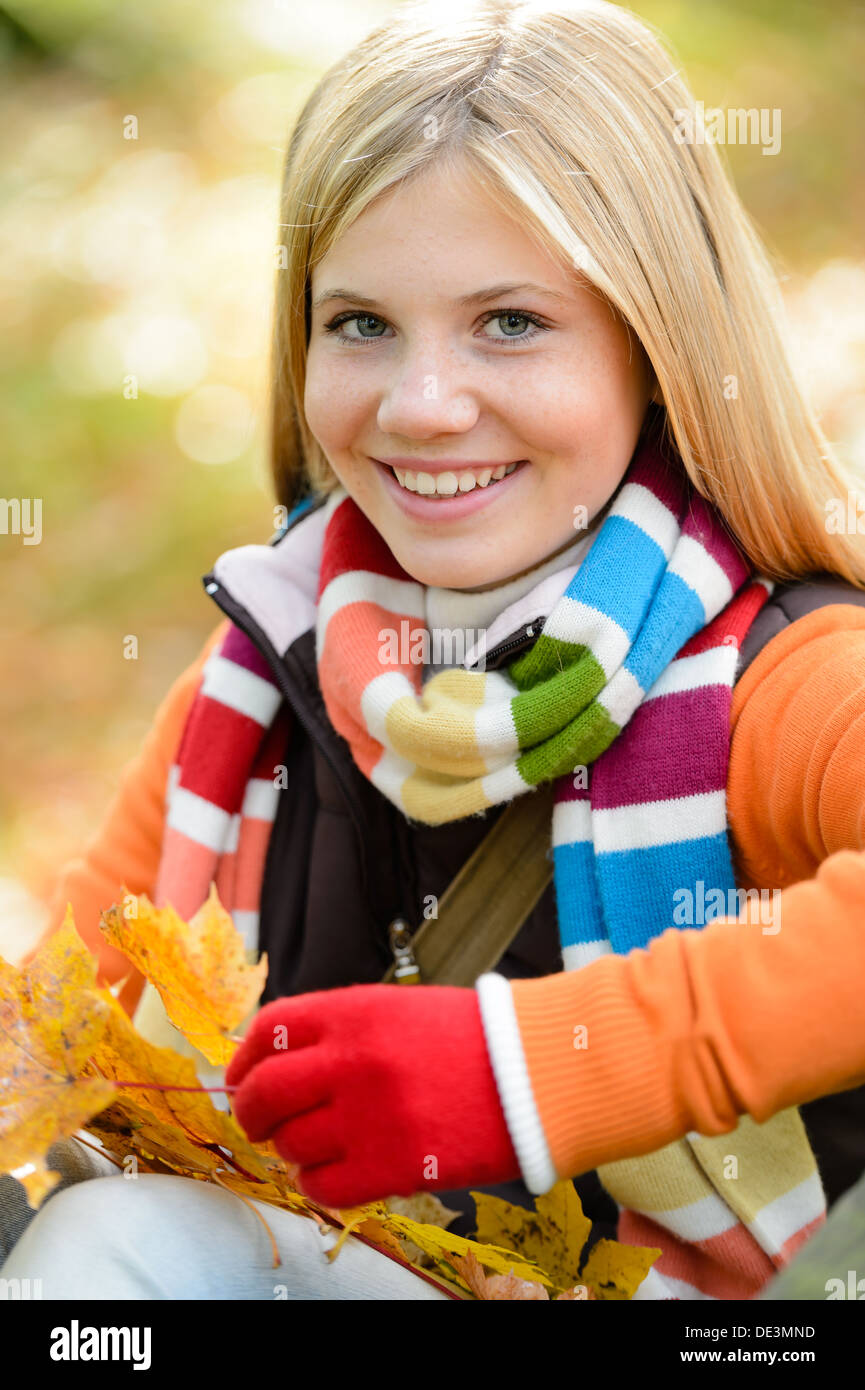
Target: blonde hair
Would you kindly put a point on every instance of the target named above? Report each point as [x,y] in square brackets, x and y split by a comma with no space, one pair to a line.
[569,112]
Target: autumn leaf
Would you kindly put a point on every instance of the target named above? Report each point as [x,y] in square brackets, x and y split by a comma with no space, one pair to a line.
[491,1287]
[199,968]
[442,1245]
[160,1110]
[426,1208]
[552,1236]
[375,1230]
[51,1017]
[70,1057]
[616,1271]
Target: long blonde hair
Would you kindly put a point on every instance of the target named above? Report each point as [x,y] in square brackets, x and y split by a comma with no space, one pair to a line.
[568,112]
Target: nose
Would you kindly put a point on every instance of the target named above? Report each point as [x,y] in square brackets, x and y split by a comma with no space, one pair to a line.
[429,393]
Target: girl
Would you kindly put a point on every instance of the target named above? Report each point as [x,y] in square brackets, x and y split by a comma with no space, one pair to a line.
[531,393]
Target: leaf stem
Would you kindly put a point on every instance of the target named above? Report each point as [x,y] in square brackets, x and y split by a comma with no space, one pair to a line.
[277,1261]
[102,1152]
[152,1086]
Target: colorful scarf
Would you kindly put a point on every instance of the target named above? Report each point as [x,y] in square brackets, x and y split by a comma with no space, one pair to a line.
[624,702]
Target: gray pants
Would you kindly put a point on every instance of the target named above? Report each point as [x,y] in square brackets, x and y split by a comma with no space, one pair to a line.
[102,1235]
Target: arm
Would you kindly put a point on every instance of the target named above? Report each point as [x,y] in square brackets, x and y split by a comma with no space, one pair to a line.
[706,1025]
[366,1086]
[125,848]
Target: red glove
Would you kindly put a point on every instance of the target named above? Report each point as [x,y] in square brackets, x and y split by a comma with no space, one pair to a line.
[375,1090]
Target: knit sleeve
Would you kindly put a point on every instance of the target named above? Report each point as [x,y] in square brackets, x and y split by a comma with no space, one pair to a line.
[126,846]
[750,1014]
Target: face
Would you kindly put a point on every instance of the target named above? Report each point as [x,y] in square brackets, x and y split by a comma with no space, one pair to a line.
[471,422]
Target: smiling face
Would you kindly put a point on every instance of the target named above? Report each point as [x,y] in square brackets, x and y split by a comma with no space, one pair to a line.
[468,390]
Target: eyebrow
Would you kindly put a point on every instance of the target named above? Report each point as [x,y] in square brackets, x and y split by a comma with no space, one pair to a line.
[476,296]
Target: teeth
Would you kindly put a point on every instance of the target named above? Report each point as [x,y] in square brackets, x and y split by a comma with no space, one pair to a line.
[448,484]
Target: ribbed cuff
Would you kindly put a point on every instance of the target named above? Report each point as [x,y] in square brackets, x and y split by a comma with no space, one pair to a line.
[608,1071]
[508,1062]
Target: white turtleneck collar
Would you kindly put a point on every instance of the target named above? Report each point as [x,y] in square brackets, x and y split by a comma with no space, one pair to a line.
[488,617]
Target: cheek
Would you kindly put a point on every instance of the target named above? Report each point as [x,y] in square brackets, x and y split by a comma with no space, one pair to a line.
[333,409]
[591,409]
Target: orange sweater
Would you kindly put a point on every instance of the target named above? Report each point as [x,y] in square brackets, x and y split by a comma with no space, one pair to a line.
[703,1025]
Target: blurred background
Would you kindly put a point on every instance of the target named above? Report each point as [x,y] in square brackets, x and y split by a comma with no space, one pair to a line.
[140,156]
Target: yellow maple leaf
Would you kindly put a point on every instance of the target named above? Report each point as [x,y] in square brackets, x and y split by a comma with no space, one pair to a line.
[442,1245]
[159,1106]
[70,1056]
[198,967]
[554,1236]
[616,1271]
[51,1018]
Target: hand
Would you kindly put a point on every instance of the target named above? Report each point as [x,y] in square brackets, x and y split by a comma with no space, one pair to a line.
[375,1090]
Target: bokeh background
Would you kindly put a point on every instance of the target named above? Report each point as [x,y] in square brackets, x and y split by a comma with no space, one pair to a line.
[154,257]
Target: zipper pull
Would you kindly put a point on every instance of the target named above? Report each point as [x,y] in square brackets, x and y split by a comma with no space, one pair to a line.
[407,970]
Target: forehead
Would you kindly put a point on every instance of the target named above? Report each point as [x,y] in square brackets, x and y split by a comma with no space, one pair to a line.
[443,235]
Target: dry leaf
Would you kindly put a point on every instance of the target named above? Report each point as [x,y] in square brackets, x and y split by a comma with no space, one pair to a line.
[199,968]
[493,1287]
[427,1208]
[70,1057]
[51,1017]
[616,1271]
[443,1245]
[165,1114]
[552,1236]
[375,1230]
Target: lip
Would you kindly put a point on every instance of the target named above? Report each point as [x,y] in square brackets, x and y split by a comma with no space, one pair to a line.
[446,508]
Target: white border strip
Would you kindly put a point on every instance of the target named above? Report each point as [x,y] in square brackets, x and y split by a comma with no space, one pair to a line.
[505,1048]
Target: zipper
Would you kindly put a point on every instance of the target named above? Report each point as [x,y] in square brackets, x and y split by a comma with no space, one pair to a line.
[527,635]
[406,968]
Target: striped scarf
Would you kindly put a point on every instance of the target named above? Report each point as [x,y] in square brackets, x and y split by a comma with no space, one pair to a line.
[623,702]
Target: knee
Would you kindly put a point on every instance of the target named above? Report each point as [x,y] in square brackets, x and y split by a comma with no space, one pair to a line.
[109,1237]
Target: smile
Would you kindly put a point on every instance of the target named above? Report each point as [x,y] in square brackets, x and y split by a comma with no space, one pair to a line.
[448,484]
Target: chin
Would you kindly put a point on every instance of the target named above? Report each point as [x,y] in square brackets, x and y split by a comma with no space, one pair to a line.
[444,574]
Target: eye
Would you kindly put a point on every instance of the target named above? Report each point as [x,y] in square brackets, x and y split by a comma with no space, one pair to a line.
[514,332]
[507,316]
[361,319]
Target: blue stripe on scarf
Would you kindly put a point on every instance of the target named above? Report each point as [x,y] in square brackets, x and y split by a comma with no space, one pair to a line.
[627,896]
[625,568]
[676,614]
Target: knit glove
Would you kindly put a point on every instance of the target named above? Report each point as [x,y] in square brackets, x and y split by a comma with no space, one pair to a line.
[375,1090]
